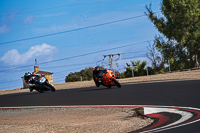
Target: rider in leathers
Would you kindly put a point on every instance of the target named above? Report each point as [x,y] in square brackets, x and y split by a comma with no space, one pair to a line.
[29,79]
[97,75]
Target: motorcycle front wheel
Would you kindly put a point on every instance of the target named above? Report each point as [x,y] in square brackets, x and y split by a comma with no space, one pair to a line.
[116,83]
[96,82]
[51,87]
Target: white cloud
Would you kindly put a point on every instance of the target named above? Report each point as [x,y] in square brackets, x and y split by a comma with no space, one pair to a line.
[106,17]
[13,57]
[4,29]
[9,16]
[29,19]
[6,21]
[52,15]
[87,20]
[56,28]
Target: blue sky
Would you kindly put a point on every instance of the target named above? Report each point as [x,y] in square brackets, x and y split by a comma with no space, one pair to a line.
[78,24]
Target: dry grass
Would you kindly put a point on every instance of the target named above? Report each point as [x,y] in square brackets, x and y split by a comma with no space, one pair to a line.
[71,120]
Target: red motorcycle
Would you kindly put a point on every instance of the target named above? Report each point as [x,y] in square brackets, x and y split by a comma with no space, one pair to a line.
[104,77]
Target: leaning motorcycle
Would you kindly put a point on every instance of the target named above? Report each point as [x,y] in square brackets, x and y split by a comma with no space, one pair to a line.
[106,78]
[41,84]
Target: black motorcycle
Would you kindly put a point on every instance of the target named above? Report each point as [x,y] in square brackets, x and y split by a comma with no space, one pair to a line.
[40,84]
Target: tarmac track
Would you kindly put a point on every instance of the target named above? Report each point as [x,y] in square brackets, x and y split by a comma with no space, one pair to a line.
[168,102]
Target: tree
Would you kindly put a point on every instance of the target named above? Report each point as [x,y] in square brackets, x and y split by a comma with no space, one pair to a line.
[175,55]
[139,69]
[72,77]
[85,73]
[181,27]
[156,59]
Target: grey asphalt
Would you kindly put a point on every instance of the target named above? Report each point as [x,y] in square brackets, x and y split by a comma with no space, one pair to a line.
[175,93]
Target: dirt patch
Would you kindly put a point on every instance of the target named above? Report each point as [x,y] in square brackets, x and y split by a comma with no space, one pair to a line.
[71,120]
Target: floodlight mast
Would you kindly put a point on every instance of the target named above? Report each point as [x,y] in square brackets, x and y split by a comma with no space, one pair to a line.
[111,60]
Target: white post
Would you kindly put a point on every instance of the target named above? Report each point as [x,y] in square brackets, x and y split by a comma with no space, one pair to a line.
[169,66]
[132,72]
[81,78]
[197,62]
[111,60]
[147,71]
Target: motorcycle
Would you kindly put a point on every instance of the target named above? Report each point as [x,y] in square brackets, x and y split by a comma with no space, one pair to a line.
[41,84]
[106,78]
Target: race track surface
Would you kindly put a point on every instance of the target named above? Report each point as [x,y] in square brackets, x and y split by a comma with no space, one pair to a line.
[173,93]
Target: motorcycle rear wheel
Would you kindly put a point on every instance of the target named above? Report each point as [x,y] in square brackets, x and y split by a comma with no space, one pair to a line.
[40,91]
[116,83]
[109,87]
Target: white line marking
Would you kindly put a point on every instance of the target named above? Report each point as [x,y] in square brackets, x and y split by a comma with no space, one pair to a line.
[185,115]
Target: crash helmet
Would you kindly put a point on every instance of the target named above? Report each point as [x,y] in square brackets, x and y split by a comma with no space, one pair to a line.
[97,68]
[27,74]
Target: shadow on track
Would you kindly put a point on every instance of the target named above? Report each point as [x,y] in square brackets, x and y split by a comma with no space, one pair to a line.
[99,89]
[23,94]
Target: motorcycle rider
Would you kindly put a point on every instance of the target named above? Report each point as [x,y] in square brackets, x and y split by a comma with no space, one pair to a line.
[97,75]
[29,79]
[104,77]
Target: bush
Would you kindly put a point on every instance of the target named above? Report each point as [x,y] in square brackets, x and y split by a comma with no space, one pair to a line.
[85,73]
